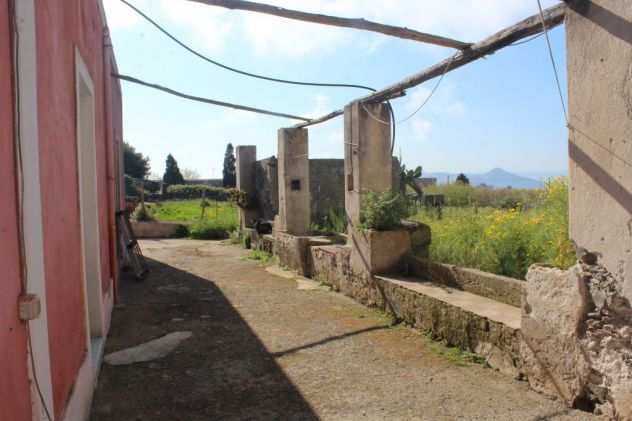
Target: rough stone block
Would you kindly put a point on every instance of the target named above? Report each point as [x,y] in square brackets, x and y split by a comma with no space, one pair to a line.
[292,252]
[577,338]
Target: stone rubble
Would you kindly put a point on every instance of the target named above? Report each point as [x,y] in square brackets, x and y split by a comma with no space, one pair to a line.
[577,338]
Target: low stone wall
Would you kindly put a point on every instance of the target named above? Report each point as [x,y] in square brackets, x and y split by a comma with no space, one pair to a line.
[500,288]
[155,229]
[498,343]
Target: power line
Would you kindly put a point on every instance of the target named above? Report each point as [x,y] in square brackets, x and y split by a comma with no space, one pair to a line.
[233,69]
[555,73]
[208,100]
[423,104]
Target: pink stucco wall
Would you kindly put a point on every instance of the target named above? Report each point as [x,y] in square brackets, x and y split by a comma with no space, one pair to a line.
[63,25]
[13,358]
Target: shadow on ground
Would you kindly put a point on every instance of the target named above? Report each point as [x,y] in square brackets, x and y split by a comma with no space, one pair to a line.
[222,372]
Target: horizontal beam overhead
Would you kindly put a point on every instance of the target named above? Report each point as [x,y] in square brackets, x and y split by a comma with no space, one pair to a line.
[356,23]
[532,25]
[207,100]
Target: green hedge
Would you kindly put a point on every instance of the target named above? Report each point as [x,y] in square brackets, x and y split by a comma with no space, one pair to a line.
[196,191]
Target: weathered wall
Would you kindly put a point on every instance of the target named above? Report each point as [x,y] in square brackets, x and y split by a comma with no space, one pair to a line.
[599,51]
[327,187]
[267,187]
[14,377]
[63,25]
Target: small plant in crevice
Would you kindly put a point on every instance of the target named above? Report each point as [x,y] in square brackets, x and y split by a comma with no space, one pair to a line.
[262,257]
[383,211]
[455,355]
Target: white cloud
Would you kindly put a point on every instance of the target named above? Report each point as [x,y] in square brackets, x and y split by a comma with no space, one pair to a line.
[421,128]
[229,119]
[322,106]
[120,16]
[208,25]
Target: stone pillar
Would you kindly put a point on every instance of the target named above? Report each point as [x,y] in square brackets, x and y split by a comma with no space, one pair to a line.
[294,196]
[246,157]
[599,60]
[368,162]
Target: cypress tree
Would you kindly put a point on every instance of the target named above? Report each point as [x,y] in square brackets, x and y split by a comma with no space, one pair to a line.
[172,172]
[229,174]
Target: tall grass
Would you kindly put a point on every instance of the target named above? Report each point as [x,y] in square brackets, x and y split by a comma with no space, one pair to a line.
[505,241]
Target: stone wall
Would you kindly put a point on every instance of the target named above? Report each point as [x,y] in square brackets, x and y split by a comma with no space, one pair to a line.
[267,187]
[327,187]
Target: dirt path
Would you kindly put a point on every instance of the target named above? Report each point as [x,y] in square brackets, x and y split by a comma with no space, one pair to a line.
[264,350]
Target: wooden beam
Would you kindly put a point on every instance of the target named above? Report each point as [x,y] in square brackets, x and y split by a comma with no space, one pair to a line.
[553,16]
[356,23]
[208,100]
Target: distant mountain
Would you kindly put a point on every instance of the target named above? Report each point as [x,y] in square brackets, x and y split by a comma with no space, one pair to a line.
[497,178]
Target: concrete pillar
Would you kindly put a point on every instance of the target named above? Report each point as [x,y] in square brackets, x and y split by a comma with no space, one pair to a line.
[246,157]
[368,162]
[294,196]
[599,60]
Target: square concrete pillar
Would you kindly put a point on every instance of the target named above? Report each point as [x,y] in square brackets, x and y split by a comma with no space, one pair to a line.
[368,161]
[599,66]
[246,157]
[294,196]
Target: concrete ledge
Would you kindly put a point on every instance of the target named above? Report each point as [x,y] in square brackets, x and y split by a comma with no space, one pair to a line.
[155,229]
[499,288]
[468,321]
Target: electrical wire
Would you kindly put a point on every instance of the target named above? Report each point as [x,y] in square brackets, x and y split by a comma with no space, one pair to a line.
[20,168]
[233,69]
[434,89]
[524,41]
[555,72]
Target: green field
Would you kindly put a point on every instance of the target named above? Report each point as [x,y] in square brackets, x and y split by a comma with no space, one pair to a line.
[505,241]
[219,219]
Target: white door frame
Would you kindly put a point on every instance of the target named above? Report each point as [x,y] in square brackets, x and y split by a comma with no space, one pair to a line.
[88,199]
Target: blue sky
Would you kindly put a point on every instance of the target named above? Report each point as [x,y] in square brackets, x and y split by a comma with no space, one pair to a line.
[502,111]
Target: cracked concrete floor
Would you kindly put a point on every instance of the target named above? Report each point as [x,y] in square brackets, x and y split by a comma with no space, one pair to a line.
[264,350]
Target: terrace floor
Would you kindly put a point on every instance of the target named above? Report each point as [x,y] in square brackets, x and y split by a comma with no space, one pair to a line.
[263,349]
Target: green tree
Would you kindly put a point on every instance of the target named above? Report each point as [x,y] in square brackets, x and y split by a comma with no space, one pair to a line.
[172,172]
[409,178]
[462,179]
[136,165]
[229,175]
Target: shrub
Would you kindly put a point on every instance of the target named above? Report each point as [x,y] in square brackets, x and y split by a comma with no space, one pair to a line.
[335,221]
[195,191]
[211,230]
[506,241]
[383,211]
[241,198]
[142,214]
